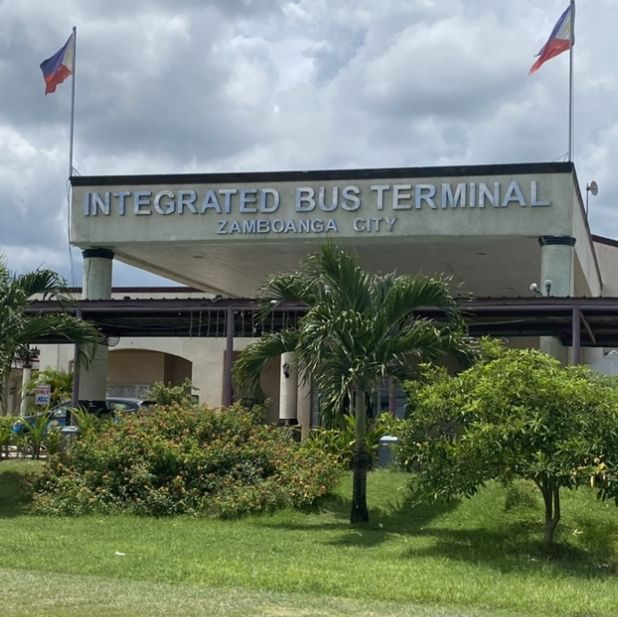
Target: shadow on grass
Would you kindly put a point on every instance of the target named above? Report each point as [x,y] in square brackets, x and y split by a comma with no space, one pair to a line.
[14,495]
[517,546]
[408,517]
[483,533]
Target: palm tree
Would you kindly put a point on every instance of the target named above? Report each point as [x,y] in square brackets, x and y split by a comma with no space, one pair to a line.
[359,329]
[18,329]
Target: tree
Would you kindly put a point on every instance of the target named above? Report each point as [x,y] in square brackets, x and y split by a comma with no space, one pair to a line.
[18,329]
[516,414]
[60,382]
[359,329]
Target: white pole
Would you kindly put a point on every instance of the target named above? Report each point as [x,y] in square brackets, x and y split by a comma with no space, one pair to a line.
[571,80]
[72,101]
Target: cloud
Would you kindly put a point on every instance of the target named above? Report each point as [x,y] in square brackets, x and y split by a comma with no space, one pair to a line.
[242,85]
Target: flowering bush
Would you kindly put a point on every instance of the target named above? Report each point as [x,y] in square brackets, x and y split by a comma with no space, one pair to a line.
[184,460]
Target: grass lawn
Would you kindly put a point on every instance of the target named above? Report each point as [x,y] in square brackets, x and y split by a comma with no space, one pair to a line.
[469,559]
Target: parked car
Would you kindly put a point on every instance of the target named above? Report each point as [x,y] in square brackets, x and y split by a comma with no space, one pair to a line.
[58,415]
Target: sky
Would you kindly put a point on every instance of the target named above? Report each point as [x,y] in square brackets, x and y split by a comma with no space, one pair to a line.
[174,86]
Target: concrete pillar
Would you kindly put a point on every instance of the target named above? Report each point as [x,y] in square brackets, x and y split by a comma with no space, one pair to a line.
[304,408]
[97,277]
[288,392]
[557,265]
[26,374]
[557,279]
[96,285]
[10,387]
[228,386]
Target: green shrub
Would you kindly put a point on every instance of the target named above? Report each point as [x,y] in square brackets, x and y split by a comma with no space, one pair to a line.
[166,395]
[183,460]
[6,434]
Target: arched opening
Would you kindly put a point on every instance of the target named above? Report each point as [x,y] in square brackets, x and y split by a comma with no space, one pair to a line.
[132,372]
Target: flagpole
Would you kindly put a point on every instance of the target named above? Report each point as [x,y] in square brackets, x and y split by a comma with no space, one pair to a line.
[572,35]
[72,101]
[76,367]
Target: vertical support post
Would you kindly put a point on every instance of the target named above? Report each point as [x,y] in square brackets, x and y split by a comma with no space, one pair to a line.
[97,285]
[288,390]
[557,279]
[76,369]
[25,378]
[392,398]
[576,335]
[229,358]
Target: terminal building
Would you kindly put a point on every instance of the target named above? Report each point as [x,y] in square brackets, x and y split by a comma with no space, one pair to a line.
[514,238]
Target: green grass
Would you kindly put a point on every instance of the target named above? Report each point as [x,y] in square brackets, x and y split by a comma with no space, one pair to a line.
[472,559]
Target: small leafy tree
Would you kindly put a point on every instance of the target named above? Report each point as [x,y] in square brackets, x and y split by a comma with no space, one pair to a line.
[517,414]
[35,435]
[60,382]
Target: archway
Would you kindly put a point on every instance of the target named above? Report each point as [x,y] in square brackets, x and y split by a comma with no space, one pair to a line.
[132,372]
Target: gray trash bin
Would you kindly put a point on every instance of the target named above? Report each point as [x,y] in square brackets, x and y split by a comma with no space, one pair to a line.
[386,454]
[68,435]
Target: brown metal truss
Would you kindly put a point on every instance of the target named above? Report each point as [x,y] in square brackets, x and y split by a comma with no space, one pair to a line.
[593,321]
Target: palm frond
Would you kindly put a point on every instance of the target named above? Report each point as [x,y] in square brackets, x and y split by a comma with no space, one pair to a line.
[46,283]
[284,288]
[71,329]
[247,369]
[359,328]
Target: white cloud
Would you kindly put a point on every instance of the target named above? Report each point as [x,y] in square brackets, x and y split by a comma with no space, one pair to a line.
[233,85]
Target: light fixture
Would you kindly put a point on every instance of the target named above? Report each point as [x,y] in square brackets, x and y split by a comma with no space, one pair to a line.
[286,370]
[547,285]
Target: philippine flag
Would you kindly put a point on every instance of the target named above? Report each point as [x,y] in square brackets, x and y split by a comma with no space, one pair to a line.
[57,68]
[560,39]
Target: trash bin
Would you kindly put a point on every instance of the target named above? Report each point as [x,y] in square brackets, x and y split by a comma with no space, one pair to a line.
[386,450]
[67,436]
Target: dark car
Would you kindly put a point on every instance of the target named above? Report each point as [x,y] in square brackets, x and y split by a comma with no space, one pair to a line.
[58,416]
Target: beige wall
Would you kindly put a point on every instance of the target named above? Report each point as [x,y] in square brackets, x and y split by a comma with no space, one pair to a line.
[607,256]
[135,366]
[588,275]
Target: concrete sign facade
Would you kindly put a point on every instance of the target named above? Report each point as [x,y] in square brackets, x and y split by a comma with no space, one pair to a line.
[346,207]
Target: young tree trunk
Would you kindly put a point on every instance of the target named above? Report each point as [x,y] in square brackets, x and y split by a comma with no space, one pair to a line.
[360,462]
[551,497]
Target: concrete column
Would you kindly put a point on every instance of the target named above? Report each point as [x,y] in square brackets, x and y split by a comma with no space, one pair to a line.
[10,387]
[97,277]
[228,386]
[304,408]
[557,279]
[557,265]
[288,392]
[26,374]
[96,285]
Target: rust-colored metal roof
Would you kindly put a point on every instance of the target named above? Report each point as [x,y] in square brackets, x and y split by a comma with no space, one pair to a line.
[201,317]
